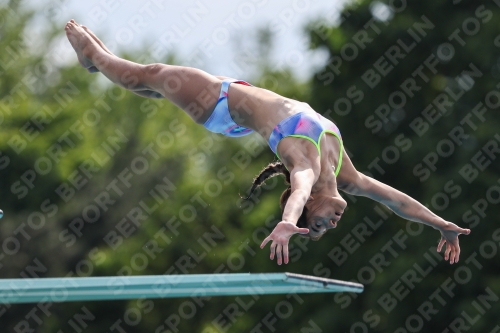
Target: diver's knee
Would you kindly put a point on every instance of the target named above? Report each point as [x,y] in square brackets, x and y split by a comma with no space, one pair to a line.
[153,69]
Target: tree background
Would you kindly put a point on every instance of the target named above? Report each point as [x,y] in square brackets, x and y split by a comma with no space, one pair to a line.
[80,159]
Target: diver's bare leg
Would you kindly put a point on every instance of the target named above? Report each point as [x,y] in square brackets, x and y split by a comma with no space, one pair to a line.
[143,93]
[193,90]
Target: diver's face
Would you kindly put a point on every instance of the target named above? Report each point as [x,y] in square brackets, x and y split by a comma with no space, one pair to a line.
[323,214]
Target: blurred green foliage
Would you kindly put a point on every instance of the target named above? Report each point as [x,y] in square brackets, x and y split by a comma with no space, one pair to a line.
[97,181]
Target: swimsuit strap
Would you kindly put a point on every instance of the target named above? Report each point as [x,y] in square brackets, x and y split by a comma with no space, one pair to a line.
[225,87]
[317,144]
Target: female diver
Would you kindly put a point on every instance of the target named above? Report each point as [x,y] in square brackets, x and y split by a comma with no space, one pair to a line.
[308,145]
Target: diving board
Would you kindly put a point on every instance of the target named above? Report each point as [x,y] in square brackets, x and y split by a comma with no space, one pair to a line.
[165,286]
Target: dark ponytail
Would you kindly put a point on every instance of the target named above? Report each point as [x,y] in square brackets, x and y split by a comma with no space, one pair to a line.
[271,170]
[275,169]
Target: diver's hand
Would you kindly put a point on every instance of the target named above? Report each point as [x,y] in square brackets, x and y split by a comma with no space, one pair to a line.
[449,235]
[280,236]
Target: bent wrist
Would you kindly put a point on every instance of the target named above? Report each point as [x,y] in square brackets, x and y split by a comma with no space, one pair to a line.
[441,224]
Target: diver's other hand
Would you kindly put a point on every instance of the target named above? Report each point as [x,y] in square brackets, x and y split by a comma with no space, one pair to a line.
[280,236]
[449,235]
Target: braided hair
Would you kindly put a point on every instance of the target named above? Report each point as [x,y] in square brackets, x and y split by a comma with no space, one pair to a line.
[276,169]
[271,170]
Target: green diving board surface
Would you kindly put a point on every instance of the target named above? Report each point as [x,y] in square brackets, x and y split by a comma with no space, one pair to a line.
[165,286]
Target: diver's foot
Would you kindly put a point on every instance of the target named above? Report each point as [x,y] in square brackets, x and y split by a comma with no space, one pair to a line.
[81,43]
[97,40]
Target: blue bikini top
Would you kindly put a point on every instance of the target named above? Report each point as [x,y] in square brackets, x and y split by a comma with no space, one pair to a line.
[305,125]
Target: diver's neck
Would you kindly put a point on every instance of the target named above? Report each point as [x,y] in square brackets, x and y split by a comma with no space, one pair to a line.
[326,185]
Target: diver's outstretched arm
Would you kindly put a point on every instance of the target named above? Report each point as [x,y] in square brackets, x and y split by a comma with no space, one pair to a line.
[410,209]
[302,180]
